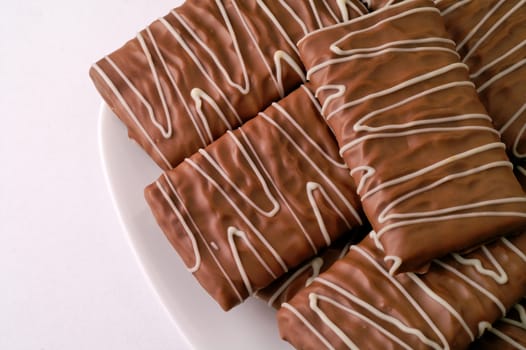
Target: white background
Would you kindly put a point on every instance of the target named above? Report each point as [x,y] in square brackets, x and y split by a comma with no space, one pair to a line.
[68,278]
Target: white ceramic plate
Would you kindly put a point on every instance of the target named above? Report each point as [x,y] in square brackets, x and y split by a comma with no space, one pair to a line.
[202,322]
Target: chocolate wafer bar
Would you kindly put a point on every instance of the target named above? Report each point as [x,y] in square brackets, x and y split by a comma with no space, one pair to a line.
[420,145]
[207,67]
[357,304]
[491,38]
[258,201]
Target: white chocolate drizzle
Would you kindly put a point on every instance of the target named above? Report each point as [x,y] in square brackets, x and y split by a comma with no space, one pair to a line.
[315,265]
[272,200]
[506,338]
[238,210]
[165,132]
[372,316]
[521,323]
[499,277]
[514,249]
[186,228]
[401,86]
[232,234]
[130,112]
[255,170]
[474,30]
[497,60]
[455,6]
[279,193]
[191,234]
[501,75]
[376,313]
[474,284]
[309,325]
[222,107]
[245,88]
[502,334]
[474,47]
[490,72]
[311,187]
[335,102]
[279,57]
[198,96]
[329,182]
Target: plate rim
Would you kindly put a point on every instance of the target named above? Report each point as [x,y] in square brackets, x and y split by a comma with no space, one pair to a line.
[231,330]
[103,109]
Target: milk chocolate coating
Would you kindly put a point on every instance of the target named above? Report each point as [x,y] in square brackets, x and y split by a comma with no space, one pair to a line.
[358,302]
[258,201]
[288,285]
[491,38]
[208,66]
[410,126]
[506,334]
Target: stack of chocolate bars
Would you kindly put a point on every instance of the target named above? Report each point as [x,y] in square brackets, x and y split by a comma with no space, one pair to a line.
[356,165]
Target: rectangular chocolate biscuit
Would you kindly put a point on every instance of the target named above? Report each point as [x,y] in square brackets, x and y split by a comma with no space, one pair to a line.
[491,39]
[490,36]
[207,67]
[357,304]
[420,145]
[258,201]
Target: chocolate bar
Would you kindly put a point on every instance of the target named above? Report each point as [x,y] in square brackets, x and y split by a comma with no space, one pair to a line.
[507,333]
[207,67]
[357,304]
[420,145]
[491,38]
[258,201]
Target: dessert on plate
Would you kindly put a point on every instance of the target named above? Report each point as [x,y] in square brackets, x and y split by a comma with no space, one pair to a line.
[285,129]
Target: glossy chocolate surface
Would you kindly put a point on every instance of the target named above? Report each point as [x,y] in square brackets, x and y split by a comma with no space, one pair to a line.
[357,304]
[420,145]
[288,285]
[207,67]
[258,201]
[491,38]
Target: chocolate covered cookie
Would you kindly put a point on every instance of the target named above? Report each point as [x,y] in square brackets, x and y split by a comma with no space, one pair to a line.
[207,67]
[258,201]
[420,145]
[357,304]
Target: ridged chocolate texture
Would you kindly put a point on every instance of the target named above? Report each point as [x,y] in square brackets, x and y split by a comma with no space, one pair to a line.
[357,304]
[491,38]
[411,128]
[285,287]
[258,201]
[208,66]
[508,333]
